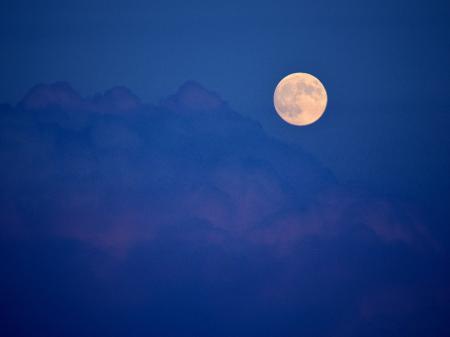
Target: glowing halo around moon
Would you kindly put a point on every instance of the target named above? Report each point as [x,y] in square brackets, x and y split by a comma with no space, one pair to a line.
[300,99]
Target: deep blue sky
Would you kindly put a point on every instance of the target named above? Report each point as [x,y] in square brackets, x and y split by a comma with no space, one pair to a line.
[180,204]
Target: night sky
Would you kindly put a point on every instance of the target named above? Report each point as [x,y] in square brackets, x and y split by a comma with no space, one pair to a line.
[148,187]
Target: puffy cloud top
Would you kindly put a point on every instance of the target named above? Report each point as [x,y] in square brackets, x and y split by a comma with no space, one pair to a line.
[192,96]
[61,95]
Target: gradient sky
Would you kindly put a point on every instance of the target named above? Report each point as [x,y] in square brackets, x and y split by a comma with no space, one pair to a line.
[178,203]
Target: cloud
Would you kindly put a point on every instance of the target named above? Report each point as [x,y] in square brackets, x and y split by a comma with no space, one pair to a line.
[115,100]
[191,96]
[190,202]
[60,95]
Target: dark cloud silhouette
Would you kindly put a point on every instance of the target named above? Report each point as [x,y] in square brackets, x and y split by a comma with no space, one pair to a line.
[187,219]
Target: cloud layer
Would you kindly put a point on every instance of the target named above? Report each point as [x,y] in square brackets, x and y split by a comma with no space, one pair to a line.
[202,221]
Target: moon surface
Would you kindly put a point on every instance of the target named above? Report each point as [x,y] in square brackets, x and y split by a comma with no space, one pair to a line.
[300,99]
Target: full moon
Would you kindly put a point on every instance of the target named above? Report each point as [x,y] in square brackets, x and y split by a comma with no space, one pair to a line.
[300,99]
